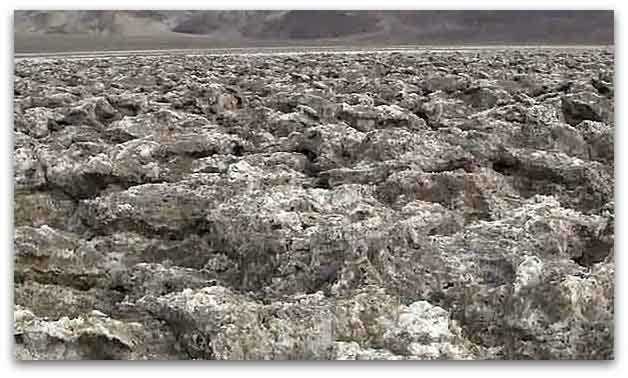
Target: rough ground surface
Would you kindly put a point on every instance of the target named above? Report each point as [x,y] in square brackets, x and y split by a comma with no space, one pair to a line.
[449,205]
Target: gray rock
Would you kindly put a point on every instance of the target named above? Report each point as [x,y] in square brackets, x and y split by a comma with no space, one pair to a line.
[84,337]
[36,122]
[600,140]
[381,117]
[225,326]
[28,172]
[128,104]
[39,208]
[583,106]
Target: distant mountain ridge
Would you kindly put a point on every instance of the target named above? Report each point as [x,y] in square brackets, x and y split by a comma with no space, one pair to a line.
[246,27]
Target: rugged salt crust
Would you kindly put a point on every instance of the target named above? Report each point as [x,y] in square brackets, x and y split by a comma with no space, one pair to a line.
[445,205]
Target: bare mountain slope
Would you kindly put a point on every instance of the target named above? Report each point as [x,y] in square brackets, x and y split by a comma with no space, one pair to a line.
[41,29]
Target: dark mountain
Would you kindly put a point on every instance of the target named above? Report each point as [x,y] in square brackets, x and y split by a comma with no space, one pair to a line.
[317,24]
[158,29]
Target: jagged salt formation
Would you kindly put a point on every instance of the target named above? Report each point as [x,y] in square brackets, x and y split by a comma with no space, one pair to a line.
[446,205]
